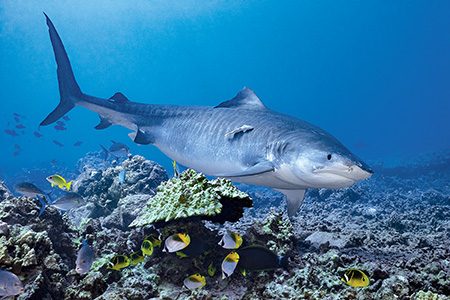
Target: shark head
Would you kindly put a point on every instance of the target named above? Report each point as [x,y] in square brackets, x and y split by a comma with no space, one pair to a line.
[326,169]
[325,163]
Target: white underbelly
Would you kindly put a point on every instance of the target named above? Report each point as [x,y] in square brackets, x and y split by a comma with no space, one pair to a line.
[270,179]
[206,165]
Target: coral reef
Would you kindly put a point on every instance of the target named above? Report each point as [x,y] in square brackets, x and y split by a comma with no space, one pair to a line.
[105,189]
[108,197]
[395,227]
[4,191]
[39,249]
[193,195]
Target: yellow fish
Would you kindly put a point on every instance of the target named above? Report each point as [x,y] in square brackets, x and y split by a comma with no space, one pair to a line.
[231,240]
[59,181]
[181,254]
[176,242]
[119,262]
[229,264]
[136,258]
[355,278]
[147,248]
[155,240]
[176,173]
[195,281]
[243,272]
[211,270]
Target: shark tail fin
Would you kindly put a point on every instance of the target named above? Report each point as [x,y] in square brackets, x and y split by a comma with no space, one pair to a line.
[69,90]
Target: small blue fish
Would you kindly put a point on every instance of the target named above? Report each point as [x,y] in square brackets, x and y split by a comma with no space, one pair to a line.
[30,190]
[66,202]
[85,258]
[122,175]
[10,284]
[116,150]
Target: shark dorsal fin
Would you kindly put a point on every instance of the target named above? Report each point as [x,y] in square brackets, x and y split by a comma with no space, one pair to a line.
[119,98]
[246,99]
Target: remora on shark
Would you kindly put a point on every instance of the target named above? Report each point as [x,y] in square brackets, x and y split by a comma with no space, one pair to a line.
[240,139]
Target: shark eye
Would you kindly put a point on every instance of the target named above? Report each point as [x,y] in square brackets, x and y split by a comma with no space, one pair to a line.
[329,156]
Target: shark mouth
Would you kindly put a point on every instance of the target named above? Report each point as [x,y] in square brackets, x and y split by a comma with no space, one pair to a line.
[353,172]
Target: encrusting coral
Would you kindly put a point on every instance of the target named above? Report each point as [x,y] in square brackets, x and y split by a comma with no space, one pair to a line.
[192,195]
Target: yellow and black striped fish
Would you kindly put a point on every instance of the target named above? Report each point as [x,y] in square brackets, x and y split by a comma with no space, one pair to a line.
[355,278]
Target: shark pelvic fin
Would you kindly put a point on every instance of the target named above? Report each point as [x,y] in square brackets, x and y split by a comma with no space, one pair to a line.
[243,129]
[142,138]
[104,123]
[259,168]
[294,199]
[245,99]
[119,98]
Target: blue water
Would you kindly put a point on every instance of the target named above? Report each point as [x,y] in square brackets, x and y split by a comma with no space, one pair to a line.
[376,75]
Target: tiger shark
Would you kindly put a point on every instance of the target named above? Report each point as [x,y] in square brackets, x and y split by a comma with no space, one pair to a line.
[240,139]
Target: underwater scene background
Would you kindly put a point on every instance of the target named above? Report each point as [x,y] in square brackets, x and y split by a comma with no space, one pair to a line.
[373,74]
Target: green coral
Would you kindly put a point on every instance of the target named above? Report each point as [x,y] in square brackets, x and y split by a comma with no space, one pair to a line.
[190,195]
[101,262]
[278,230]
[421,295]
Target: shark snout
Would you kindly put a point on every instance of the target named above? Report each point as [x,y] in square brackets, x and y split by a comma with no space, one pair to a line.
[357,172]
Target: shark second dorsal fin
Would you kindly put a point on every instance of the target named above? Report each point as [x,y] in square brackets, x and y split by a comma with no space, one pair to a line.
[246,99]
[119,98]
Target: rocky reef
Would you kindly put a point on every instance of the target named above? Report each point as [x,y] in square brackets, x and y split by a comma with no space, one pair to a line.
[393,226]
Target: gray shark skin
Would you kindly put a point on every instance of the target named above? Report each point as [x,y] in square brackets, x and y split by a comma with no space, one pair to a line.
[239,139]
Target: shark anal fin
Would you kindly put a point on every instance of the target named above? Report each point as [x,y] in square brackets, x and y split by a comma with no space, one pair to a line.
[259,168]
[294,199]
[142,138]
[243,129]
[104,123]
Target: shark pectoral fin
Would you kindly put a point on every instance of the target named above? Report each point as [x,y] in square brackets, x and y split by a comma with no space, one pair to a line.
[259,168]
[142,138]
[294,200]
[243,129]
[104,123]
